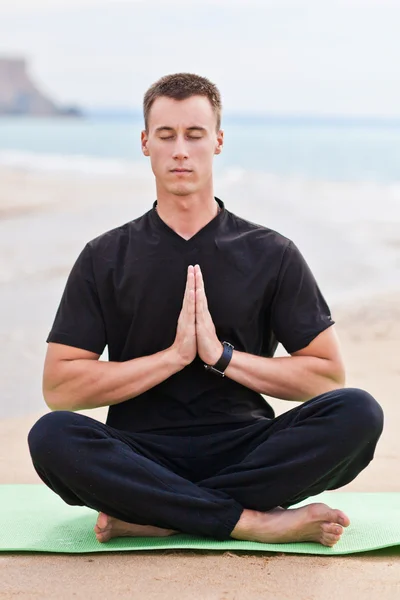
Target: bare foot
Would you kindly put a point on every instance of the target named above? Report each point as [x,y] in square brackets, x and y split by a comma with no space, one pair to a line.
[315,522]
[109,527]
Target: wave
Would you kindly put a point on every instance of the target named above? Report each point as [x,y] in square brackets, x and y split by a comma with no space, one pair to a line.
[80,165]
[77,164]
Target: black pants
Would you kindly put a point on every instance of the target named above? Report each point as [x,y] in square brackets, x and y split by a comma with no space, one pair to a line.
[199,484]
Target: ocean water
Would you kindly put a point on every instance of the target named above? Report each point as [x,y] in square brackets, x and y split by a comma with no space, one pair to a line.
[334,188]
[336,150]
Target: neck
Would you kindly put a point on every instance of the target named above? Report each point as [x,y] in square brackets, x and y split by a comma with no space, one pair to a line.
[186,220]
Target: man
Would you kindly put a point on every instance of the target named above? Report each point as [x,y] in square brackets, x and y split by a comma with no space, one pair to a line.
[185,287]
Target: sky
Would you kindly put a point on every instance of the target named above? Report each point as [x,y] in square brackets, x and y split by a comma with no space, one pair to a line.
[337,57]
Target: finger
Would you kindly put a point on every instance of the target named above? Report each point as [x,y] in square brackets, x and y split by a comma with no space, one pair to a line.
[190,295]
[199,292]
[199,302]
[189,285]
[198,277]
[192,302]
[201,296]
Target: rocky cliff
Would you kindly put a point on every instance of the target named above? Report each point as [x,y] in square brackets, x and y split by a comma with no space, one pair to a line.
[19,95]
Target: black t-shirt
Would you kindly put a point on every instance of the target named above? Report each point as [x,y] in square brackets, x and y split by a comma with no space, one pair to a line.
[126,289]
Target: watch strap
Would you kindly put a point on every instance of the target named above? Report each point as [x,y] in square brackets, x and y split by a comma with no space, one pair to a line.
[223,361]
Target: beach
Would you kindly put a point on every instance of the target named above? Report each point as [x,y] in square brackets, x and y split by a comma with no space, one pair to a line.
[44,222]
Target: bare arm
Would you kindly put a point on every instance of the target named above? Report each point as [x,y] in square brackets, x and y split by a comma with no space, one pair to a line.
[74,379]
[311,371]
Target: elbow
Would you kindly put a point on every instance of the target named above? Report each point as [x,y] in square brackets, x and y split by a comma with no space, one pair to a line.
[324,387]
[333,379]
[338,374]
[53,401]
[49,396]
[62,385]
[56,400]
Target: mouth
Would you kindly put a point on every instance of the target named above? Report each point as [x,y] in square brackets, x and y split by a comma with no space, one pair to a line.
[181,171]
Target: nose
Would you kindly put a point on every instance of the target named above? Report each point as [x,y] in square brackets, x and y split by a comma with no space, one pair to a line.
[180,150]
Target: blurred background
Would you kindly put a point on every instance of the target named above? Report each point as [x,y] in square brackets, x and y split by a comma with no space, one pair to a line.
[311,97]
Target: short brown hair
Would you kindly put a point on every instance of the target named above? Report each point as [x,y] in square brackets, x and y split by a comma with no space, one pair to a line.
[181,86]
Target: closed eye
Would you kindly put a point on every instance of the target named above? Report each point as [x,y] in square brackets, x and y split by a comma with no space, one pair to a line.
[190,137]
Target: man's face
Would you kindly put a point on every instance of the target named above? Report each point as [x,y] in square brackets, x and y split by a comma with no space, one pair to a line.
[182,135]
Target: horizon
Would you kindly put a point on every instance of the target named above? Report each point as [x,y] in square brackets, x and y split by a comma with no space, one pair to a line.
[136,113]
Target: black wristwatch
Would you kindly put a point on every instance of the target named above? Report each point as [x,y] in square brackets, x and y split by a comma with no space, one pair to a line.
[223,362]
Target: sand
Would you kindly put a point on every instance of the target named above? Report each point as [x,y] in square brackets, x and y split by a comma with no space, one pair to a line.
[370,336]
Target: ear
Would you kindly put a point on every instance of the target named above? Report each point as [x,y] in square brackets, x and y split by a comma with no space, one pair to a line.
[220,142]
[144,139]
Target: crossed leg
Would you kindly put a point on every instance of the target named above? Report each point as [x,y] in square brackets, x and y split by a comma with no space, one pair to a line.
[319,445]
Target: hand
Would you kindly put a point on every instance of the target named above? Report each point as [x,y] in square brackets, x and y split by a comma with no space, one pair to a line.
[208,345]
[185,343]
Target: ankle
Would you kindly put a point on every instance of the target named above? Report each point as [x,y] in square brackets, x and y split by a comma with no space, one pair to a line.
[245,525]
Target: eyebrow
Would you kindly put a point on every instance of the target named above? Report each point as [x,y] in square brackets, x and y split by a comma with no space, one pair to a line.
[194,128]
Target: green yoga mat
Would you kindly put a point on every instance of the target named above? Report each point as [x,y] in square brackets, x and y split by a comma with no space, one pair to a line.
[34,519]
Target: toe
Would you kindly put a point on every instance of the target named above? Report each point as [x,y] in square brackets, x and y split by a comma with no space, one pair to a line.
[330,539]
[342,518]
[102,520]
[337,516]
[332,528]
[323,513]
[102,537]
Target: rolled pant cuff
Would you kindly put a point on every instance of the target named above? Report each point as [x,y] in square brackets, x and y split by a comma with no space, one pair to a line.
[225,528]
